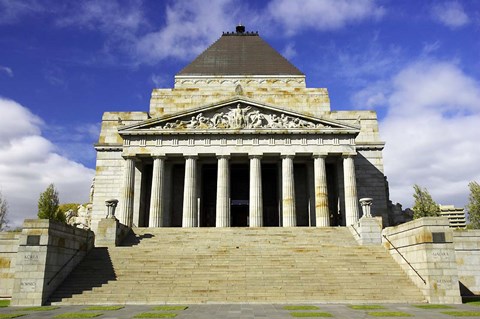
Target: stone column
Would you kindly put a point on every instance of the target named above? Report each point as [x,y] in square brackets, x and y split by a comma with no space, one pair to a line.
[288,192]
[255,197]
[126,199]
[156,198]
[223,193]
[322,213]
[350,185]
[189,217]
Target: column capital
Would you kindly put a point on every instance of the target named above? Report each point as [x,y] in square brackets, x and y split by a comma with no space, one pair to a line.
[320,155]
[223,156]
[160,156]
[290,156]
[255,156]
[191,157]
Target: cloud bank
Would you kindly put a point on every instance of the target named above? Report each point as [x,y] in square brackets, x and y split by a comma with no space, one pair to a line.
[30,162]
[431,129]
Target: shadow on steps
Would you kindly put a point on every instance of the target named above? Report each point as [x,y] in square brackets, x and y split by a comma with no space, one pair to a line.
[95,270]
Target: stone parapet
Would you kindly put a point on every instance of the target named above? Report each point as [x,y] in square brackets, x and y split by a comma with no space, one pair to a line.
[8,257]
[467,252]
[427,244]
[48,251]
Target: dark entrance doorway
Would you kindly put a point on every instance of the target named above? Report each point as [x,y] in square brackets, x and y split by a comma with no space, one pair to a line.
[208,196]
[270,195]
[239,192]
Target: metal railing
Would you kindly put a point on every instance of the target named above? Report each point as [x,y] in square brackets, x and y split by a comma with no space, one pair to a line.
[355,229]
[424,281]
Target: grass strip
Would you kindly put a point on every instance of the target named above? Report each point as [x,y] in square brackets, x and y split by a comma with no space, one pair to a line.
[105,308]
[366,307]
[155,315]
[433,306]
[473,303]
[79,315]
[462,313]
[43,308]
[301,308]
[310,314]
[170,308]
[388,314]
[11,315]
[4,303]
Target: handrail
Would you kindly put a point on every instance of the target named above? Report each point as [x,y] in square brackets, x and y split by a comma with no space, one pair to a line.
[424,281]
[359,236]
[65,264]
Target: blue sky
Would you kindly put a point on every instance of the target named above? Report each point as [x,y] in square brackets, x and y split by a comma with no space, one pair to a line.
[64,63]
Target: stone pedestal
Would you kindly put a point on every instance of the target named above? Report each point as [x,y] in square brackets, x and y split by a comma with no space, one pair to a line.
[110,233]
[368,230]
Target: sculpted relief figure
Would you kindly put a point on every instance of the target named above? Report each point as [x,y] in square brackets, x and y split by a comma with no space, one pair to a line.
[238,117]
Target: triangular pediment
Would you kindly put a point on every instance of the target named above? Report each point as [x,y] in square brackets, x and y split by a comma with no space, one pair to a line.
[239,115]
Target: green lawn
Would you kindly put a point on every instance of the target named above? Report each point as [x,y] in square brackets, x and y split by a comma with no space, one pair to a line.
[11,315]
[4,303]
[155,315]
[389,314]
[462,313]
[433,306]
[79,315]
[104,308]
[301,308]
[169,308]
[310,314]
[366,307]
[43,308]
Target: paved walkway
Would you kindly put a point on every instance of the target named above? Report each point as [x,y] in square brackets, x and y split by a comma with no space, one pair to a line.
[247,311]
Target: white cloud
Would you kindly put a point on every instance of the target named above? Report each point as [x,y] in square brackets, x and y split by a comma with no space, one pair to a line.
[190,27]
[432,129]
[111,17]
[321,15]
[289,51]
[13,11]
[451,14]
[29,162]
[6,70]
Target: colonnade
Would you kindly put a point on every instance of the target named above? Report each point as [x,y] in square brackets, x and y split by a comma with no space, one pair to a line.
[190,205]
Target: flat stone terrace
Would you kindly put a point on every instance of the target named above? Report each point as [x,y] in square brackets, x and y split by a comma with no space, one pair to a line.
[237,265]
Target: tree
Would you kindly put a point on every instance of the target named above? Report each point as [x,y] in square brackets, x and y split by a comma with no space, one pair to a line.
[424,205]
[48,205]
[473,206]
[3,212]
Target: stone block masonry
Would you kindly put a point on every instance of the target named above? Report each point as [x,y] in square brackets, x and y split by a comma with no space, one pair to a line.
[48,251]
[427,244]
[467,252]
[8,257]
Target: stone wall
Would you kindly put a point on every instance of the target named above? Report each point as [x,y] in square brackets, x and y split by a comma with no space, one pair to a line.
[48,251]
[427,244]
[467,252]
[8,256]
[108,183]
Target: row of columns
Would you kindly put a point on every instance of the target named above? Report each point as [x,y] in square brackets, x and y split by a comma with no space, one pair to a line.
[190,209]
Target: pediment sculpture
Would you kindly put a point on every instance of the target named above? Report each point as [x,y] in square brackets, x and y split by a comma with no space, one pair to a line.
[240,117]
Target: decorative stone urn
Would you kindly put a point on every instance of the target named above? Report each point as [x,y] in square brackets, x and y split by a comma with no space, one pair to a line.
[366,206]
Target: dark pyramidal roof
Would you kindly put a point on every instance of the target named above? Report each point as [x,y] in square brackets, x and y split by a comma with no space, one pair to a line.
[240,53]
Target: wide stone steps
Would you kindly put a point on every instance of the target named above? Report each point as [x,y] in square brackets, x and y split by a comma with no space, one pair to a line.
[197,265]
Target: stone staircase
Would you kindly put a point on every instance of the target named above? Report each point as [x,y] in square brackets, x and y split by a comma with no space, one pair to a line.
[237,265]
